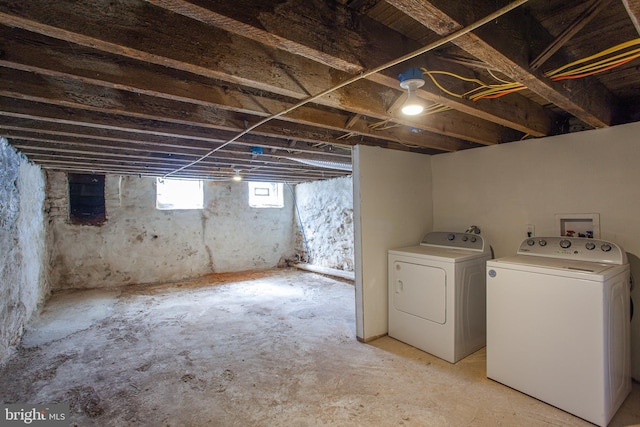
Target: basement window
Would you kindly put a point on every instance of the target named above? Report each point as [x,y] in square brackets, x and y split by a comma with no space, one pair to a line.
[265,195]
[86,199]
[174,194]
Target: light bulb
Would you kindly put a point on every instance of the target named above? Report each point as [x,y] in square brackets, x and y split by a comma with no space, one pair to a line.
[413,105]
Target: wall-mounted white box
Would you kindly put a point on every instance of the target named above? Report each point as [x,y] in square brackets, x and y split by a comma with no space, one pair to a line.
[578,225]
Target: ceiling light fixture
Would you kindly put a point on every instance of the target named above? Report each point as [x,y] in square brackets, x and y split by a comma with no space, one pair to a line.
[412,80]
[237,176]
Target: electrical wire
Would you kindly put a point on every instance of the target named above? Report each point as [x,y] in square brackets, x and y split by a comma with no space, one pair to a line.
[577,69]
[591,68]
[495,77]
[483,90]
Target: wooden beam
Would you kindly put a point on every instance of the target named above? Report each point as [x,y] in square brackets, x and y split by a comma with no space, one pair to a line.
[82,155]
[194,148]
[145,80]
[633,9]
[97,166]
[77,94]
[52,141]
[501,47]
[368,45]
[591,12]
[15,125]
[233,25]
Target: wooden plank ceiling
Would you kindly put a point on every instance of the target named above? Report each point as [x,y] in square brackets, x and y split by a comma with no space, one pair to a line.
[204,88]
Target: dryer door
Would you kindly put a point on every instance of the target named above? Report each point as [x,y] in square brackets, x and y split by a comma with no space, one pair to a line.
[419,290]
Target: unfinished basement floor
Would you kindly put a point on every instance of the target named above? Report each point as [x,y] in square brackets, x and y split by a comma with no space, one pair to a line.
[274,348]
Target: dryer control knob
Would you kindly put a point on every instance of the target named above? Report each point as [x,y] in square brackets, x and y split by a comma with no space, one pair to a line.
[565,244]
[542,242]
[590,246]
[451,236]
[473,239]
[606,247]
[531,242]
[465,238]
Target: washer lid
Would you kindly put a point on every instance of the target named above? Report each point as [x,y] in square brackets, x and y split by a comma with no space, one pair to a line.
[558,266]
[574,248]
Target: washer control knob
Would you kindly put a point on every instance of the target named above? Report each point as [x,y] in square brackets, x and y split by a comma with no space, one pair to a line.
[565,244]
[465,238]
[531,242]
[451,236]
[590,246]
[606,247]
[542,242]
[473,239]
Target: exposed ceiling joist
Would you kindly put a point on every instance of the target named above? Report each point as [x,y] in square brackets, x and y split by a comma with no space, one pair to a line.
[633,8]
[348,55]
[502,48]
[594,9]
[174,80]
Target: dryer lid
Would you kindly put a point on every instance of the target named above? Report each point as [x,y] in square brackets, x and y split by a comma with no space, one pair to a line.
[450,239]
[437,253]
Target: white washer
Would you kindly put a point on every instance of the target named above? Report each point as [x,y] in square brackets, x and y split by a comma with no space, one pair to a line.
[558,326]
[437,294]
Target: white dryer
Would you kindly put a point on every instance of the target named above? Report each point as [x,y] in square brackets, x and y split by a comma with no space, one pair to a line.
[437,294]
[558,324]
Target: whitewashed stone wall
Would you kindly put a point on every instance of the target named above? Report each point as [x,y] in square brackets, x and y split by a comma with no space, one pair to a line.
[326,214]
[23,276]
[140,244]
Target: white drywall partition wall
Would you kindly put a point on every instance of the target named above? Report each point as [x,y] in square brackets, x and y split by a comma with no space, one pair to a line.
[503,188]
[392,208]
[23,274]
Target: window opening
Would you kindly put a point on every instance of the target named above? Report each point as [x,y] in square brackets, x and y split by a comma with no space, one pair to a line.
[173,194]
[86,199]
[266,195]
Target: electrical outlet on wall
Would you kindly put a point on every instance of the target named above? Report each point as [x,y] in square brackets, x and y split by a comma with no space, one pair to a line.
[531,230]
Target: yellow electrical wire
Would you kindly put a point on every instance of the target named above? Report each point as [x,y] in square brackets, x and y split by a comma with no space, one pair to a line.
[600,64]
[483,90]
[576,69]
[347,135]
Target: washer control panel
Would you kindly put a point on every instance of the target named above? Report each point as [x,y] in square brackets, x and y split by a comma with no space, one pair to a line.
[468,241]
[577,248]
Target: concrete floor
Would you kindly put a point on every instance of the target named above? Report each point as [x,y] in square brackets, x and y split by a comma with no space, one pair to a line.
[271,348]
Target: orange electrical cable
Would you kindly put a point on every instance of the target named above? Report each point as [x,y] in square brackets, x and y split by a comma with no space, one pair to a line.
[499,94]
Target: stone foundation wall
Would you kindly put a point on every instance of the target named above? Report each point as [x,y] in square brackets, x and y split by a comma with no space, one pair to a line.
[140,244]
[23,276]
[326,214]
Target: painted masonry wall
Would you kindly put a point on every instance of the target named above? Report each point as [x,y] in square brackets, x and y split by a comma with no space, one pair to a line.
[392,208]
[140,244]
[23,276]
[326,214]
